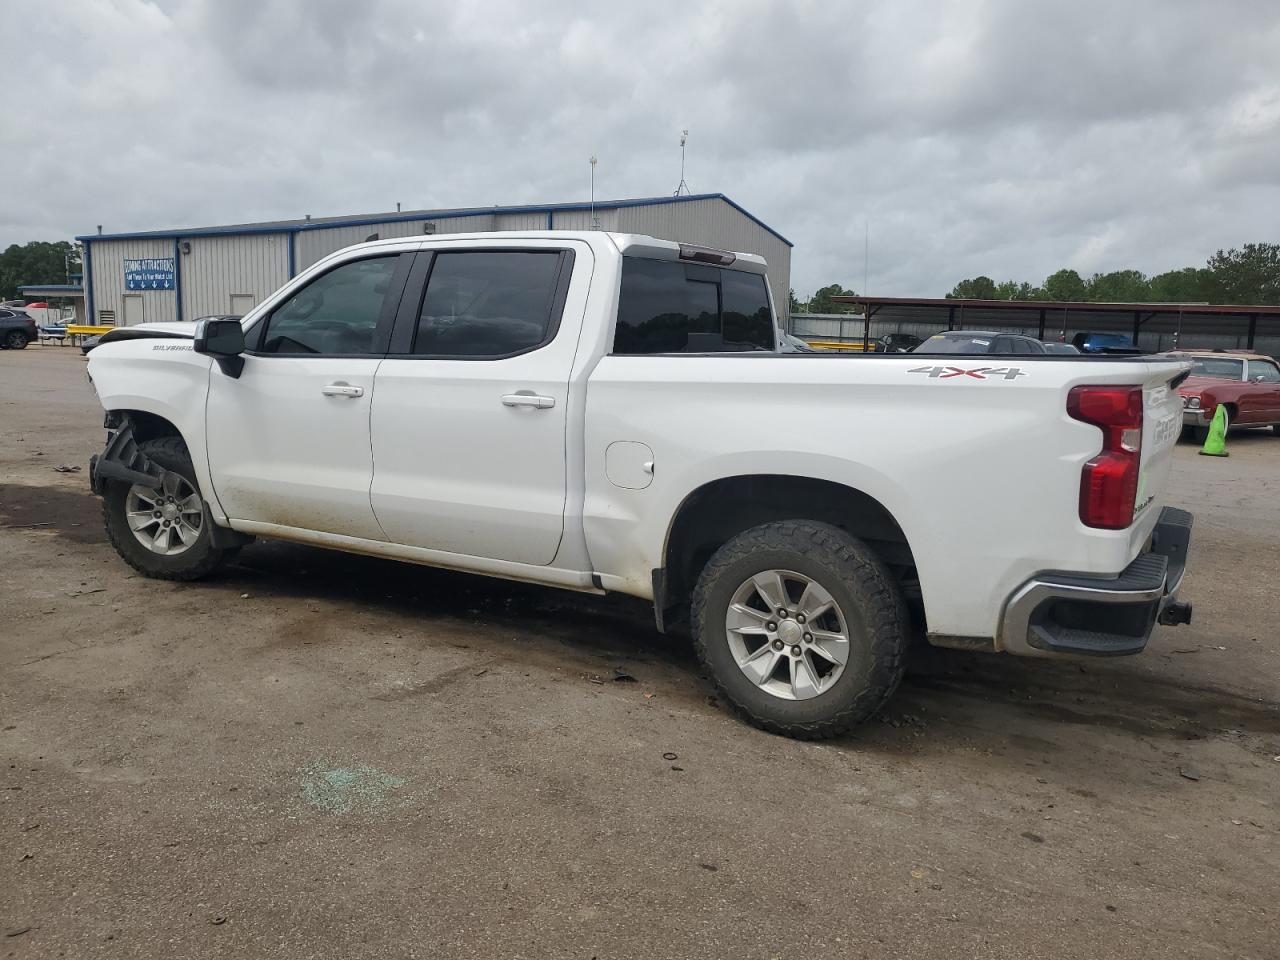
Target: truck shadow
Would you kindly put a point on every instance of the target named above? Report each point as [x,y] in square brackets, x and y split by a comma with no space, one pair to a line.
[969,690]
[948,695]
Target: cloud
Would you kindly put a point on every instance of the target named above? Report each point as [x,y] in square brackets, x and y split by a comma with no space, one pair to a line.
[993,137]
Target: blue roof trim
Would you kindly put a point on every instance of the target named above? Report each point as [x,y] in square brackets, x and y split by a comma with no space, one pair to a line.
[300,226]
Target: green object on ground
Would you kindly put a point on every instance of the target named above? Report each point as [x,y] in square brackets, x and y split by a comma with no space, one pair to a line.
[1215,444]
[346,789]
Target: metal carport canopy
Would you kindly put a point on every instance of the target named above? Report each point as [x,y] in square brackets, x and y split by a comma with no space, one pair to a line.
[962,312]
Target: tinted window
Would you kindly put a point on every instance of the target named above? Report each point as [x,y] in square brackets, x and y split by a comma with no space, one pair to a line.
[666,306]
[487,304]
[337,313]
[944,344]
[748,321]
[1004,345]
[1221,368]
[1267,371]
[5,315]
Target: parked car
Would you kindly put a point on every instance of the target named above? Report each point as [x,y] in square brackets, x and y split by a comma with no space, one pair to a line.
[1087,342]
[16,329]
[121,333]
[1246,384]
[897,343]
[978,342]
[609,413]
[1056,346]
[52,331]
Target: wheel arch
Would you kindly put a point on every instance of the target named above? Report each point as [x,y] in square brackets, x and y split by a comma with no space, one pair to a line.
[720,509]
[146,424]
[153,421]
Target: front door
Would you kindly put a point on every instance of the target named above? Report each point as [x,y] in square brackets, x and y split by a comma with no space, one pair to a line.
[469,420]
[289,438]
[133,312]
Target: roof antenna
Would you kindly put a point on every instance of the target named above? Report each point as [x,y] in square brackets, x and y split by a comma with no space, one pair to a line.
[595,221]
[682,186]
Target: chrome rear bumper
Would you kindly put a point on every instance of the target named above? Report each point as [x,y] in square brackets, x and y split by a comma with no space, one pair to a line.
[1057,614]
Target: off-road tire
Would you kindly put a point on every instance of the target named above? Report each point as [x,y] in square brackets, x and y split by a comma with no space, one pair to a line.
[200,559]
[16,340]
[877,617]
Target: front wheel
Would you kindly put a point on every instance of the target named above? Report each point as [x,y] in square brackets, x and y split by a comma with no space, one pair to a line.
[15,340]
[801,627]
[165,531]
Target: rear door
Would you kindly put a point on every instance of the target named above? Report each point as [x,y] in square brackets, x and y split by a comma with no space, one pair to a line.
[469,420]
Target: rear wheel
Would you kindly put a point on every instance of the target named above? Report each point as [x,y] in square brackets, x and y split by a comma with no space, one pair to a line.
[801,627]
[15,340]
[163,531]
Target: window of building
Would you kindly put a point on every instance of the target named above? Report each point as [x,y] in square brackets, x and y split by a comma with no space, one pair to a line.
[668,306]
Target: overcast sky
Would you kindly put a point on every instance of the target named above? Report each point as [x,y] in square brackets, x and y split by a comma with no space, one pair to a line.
[1008,138]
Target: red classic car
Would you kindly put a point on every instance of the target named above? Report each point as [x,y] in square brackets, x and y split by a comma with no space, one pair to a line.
[1246,384]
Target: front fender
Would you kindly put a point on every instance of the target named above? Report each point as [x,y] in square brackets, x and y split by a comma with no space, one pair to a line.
[165,378]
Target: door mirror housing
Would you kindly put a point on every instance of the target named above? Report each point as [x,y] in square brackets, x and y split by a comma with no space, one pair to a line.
[224,341]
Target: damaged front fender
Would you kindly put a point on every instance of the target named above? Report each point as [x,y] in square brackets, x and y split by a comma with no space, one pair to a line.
[122,460]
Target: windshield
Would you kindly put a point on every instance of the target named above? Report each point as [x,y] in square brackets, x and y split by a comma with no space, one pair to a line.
[1223,368]
[941,343]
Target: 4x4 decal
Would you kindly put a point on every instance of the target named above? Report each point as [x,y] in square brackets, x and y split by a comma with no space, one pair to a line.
[977,373]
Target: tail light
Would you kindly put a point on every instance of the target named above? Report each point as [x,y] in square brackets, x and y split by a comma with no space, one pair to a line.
[1109,482]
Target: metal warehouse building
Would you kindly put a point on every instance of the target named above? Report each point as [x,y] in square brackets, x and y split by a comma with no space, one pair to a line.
[182,274]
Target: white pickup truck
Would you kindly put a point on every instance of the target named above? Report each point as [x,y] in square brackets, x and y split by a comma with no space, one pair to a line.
[605,412]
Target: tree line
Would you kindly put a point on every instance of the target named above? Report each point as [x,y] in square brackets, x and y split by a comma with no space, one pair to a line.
[1249,274]
[36,262]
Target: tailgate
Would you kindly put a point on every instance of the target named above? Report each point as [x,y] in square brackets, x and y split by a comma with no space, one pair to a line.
[1161,426]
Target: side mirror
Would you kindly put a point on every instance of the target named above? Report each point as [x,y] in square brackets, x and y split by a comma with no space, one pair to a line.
[224,341]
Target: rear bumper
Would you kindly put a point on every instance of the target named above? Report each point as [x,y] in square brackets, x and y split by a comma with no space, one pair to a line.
[1057,614]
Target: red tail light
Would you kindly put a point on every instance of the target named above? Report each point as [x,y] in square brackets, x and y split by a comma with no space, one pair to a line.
[1109,482]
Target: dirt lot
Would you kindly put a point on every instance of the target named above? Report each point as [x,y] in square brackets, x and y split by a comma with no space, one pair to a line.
[315,755]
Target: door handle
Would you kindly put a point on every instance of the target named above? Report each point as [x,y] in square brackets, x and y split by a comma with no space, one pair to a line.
[341,389]
[526,399]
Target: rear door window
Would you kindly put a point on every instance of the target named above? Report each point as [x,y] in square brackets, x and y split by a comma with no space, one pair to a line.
[668,306]
[487,304]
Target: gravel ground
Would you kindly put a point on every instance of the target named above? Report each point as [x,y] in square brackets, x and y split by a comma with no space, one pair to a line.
[315,755]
